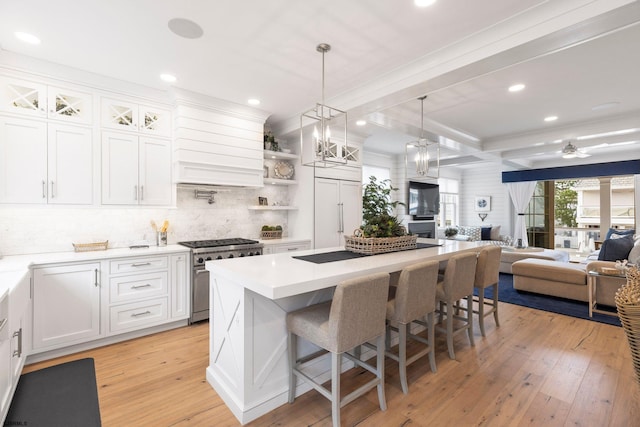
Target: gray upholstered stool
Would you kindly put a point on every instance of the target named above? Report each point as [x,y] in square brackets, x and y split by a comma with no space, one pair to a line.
[415,300]
[354,316]
[487,276]
[456,285]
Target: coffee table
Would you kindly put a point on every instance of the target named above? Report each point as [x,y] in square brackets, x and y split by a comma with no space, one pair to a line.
[592,282]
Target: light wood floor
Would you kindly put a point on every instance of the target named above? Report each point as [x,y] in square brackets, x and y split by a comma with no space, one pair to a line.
[537,369]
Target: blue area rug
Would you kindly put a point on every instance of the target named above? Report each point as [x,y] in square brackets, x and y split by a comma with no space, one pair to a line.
[506,293]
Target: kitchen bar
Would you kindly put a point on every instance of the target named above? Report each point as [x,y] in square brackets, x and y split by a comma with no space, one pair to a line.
[250,298]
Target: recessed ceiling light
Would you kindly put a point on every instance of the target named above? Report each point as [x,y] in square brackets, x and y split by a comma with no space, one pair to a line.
[169,78]
[361,122]
[516,88]
[27,38]
[550,118]
[185,28]
[253,101]
[424,3]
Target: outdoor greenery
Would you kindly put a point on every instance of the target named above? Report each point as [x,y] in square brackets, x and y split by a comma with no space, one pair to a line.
[377,210]
[566,203]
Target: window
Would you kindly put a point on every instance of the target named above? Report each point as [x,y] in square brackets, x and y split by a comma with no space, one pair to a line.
[380,173]
[449,202]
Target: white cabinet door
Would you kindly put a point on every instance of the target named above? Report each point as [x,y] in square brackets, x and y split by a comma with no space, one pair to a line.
[23,161]
[154,171]
[119,115]
[6,382]
[180,271]
[23,97]
[338,210]
[66,305]
[20,301]
[119,169]
[327,213]
[153,120]
[69,105]
[70,165]
[351,200]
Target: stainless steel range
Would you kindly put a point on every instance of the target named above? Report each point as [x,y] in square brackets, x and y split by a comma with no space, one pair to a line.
[207,250]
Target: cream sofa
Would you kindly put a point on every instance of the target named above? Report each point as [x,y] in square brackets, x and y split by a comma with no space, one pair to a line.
[563,279]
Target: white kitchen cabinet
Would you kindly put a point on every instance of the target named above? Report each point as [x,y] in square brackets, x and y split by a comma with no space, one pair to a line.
[130,116]
[338,211]
[6,383]
[135,170]
[277,248]
[180,290]
[39,100]
[58,159]
[66,305]
[19,310]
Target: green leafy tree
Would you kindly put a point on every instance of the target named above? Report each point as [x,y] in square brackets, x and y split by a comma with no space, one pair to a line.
[566,203]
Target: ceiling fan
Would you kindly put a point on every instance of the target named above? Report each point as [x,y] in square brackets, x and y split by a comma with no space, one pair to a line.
[570,151]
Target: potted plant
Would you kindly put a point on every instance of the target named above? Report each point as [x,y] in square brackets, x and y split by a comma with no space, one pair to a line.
[377,210]
[450,232]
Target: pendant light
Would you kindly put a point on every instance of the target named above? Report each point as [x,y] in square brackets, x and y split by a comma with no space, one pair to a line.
[424,154]
[325,143]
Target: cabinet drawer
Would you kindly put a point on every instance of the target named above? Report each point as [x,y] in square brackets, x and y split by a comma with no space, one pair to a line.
[137,286]
[137,315]
[290,248]
[128,265]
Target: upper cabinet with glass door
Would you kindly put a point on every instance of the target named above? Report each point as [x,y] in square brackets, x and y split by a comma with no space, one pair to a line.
[124,115]
[40,100]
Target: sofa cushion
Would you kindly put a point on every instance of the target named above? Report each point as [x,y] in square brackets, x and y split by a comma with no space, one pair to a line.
[495,232]
[551,270]
[615,233]
[616,249]
[485,233]
[473,231]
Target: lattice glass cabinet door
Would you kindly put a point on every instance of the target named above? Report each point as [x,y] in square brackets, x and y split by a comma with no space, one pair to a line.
[23,97]
[69,105]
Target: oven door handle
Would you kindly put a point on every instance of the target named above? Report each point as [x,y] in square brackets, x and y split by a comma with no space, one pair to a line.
[201,271]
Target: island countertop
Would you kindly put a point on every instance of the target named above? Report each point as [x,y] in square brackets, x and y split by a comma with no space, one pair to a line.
[281,275]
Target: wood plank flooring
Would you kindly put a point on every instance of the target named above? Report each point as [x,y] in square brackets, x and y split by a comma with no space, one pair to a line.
[537,369]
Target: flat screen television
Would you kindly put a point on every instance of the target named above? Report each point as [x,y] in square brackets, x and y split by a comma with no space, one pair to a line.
[424,200]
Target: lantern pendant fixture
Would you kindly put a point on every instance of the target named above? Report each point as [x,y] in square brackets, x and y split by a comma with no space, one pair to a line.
[423,153]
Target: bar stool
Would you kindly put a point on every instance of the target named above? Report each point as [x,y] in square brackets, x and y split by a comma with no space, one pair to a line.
[415,299]
[354,316]
[487,276]
[457,284]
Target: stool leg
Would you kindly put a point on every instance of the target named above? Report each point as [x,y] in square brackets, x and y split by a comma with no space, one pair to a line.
[495,304]
[470,319]
[450,330]
[336,359]
[292,343]
[481,310]
[402,357]
[380,372]
[431,341]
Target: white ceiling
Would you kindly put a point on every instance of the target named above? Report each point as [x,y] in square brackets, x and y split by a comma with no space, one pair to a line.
[572,55]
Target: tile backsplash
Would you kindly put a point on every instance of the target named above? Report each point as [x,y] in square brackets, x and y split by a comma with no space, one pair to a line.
[39,229]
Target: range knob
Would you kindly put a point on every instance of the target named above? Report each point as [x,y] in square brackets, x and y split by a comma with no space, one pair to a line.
[230,256]
[200,260]
[241,255]
[250,253]
[219,257]
[208,258]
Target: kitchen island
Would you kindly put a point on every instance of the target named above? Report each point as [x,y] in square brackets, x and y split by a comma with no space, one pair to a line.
[250,298]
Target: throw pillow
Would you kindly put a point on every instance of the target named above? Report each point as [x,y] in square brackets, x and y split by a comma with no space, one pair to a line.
[616,249]
[634,255]
[615,233]
[485,233]
[473,232]
[495,232]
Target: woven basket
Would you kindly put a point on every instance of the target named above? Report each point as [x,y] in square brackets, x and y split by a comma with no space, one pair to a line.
[87,247]
[266,235]
[378,245]
[628,305]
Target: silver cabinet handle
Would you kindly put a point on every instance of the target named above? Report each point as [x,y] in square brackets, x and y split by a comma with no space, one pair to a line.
[53,194]
[339,220]
[142,192]
[95,283]
[44,189]
[140,264]
[141,286]
[140,314]
[135,192]
[3,323]
[18,334]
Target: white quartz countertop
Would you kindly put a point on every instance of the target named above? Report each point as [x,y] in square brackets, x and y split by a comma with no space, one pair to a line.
[18,262]
[9,279]
[281,275]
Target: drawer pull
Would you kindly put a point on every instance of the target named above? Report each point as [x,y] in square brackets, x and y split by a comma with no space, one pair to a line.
[140,314]
[18,334]
[140,264]
[148,285]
